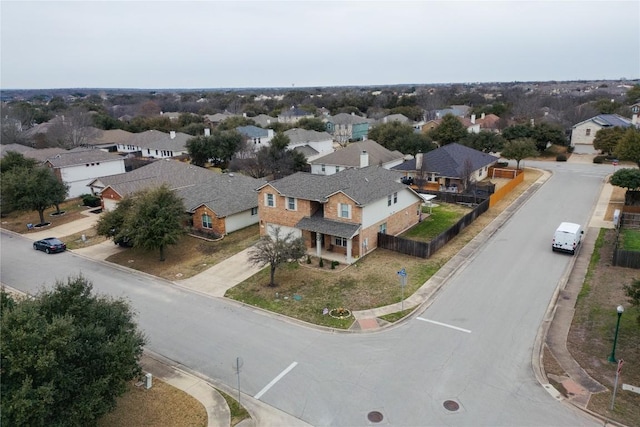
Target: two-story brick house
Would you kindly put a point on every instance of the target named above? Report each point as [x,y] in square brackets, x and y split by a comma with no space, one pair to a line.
[340,213]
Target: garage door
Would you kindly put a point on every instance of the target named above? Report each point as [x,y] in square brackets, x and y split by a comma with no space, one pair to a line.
[109,204]
[296,232]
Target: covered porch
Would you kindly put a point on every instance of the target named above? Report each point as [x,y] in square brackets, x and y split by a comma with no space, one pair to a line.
[331,240]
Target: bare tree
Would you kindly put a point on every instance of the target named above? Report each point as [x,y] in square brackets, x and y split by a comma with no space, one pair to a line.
[73,129]
[277,250]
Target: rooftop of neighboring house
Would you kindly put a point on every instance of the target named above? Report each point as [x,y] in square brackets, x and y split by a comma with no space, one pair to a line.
[39,154]
[155,139]
[449,161]
[264,120]
[608,120]
[173,173]
[395,118]
[81,156]
[349,156]
[363,186]
[348,119]
[251,131]
[111,136]
[218,117]
[303,136]
[225,194]
[488,120]
[172,115]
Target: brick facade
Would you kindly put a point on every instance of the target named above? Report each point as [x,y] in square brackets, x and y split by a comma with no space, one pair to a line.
[218,225]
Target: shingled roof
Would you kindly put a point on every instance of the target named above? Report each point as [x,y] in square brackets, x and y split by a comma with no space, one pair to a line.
[363,186]
[608,120]
[173,173]
[77,157]
[349,156]
[225,194]
[449,160]
[157,140]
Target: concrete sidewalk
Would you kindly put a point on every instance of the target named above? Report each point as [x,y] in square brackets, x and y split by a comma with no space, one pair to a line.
[215,281]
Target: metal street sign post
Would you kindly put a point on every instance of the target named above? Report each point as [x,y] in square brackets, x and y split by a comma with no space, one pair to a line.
[236,366]
[403,282]
[615,384]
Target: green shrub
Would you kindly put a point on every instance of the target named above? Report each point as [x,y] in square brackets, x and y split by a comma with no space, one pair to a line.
[321,263]
[334,264]
[90,200]
[561,158]
[308,259]
[598,159]
[570,149]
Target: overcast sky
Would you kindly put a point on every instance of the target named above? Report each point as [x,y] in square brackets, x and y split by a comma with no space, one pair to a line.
[239,44]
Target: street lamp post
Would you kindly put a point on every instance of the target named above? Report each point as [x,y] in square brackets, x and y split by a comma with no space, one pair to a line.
[612,358]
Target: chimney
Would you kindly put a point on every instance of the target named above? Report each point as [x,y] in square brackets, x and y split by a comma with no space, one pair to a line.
[634,119]
[364,159]
[244,115]
[172,134]
[207,132]
[482,116]
[418,161]
[473,119]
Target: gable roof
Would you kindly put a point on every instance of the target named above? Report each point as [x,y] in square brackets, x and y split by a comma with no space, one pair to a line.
[160,141]
[218,117]
[349,156]
[363,186]
[303,136]
[449,160]
[608,120]
[264,120]
[225,194]
[82,156]
[395,118]
[173,173]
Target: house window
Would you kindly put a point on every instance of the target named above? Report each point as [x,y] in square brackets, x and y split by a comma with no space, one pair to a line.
[344,210]
[479,173]
[323,168]
[341,241]
[588,132]
[395,198]
[254,211]
[389,200]
[337,169]
[383,228]
[206,221]
[291,203]
[269,200]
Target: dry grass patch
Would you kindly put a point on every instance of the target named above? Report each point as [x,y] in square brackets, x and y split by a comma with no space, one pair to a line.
[590,339]
[17,221]
[189,257]
[161,405]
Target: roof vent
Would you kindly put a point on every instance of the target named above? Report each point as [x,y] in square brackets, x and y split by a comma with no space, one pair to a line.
[231,175]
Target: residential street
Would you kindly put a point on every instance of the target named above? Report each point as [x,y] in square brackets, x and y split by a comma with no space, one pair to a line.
[471,345]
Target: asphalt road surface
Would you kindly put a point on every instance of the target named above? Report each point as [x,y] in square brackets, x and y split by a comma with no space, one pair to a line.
[471,347]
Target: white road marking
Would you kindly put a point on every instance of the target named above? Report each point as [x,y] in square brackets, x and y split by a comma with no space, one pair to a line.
[275,380]
[444,324]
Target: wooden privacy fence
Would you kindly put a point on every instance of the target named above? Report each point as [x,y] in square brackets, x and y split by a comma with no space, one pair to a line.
[426,249]
[621,257]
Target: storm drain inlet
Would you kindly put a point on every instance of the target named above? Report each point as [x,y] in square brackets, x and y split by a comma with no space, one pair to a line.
[375,416]
[451,405]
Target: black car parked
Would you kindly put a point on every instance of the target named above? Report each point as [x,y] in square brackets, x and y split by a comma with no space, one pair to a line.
[50,245]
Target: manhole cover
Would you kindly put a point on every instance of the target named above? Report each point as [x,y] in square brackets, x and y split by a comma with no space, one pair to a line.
[375,416]
[451,405]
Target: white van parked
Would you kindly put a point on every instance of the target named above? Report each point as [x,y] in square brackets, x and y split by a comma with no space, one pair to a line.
[567,238]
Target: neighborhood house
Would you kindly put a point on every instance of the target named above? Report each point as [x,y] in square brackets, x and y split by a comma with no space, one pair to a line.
[339,214]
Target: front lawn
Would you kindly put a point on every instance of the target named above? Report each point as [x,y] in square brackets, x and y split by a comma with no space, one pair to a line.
[442,217]
[630,239]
